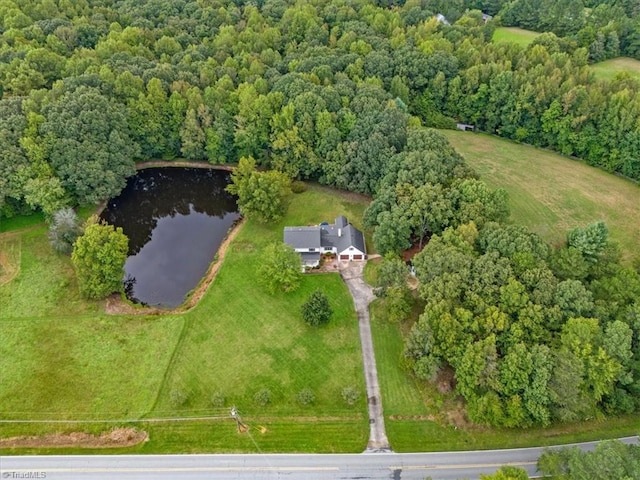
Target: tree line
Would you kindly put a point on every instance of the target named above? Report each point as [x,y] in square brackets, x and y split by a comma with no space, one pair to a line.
[534,335]
[316,89]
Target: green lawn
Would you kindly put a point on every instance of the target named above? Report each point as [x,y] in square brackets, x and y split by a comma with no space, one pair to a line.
[45,285]
[402,394]
[551,194]
[325,435]
[22,221]
[83,367]
[515,35]
[608,69]
[62,358]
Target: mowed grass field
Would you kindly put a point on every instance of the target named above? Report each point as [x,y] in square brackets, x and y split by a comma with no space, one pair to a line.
[62,359]
[551,194]
[608,69]
[515,35]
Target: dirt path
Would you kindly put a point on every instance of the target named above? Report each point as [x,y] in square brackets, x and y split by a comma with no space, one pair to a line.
[362,296]
[116,438]
[183,163]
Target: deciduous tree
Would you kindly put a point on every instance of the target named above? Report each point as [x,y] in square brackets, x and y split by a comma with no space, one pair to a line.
[280,268]
[316,310]
[261,195]
[98,258]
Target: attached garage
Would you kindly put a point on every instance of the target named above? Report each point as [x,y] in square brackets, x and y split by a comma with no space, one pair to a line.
[344,257]
[357,257]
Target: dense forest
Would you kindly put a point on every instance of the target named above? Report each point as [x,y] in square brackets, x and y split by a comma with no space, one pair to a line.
[320,89]
[339,92]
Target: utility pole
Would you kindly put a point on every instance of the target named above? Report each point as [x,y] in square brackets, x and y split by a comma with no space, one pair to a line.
[242,428]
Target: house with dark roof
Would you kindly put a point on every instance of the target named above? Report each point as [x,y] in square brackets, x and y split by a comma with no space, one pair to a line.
[340,238]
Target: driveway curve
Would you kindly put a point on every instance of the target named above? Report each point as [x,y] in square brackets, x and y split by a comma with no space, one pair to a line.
[362,293]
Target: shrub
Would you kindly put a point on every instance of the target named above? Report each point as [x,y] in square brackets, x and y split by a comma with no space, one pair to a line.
[306,397]
[262,397]
[316,310]
[298,187]
[64,230]
[350,395]
[217,399]
[178,397]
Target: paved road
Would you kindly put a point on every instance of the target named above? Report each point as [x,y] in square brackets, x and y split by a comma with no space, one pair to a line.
[362,296]
[391,466]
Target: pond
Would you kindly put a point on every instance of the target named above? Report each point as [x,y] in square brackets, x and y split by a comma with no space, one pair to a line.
[175,218]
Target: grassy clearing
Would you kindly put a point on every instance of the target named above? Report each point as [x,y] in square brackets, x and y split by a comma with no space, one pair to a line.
[83,367]
[608,69]
[551,194]
[515,35]
[401,393]
[62,359]
[267,435]
[45,286]
[416,435]
[10,250]
[20,222]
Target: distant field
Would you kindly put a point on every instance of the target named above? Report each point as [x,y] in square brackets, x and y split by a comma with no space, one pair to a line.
[515,35]
[608,69]
[551,194]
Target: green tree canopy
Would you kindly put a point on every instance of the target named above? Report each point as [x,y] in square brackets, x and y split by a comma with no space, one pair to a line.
[87,137]
[98,258]
[261,195]
[316,310]
[280,268]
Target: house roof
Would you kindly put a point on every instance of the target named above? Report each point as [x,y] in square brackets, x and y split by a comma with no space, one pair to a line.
[351,237]
[340,235]
[302,237]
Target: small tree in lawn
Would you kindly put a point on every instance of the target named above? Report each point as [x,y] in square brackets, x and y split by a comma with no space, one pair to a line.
[316,310]
[65,228]
[280,268]
[98,258]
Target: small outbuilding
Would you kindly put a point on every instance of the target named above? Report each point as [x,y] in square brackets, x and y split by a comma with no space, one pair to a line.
[340,238]
[465,127]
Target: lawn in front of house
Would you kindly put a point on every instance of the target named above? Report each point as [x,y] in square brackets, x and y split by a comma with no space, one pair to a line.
[240,340]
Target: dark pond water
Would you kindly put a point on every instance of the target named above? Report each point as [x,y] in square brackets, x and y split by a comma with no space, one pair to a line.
[175,218]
